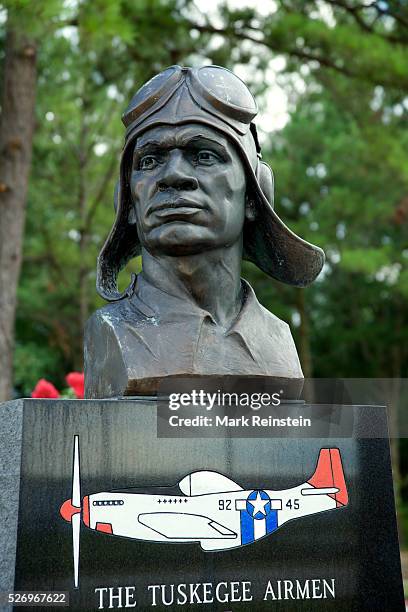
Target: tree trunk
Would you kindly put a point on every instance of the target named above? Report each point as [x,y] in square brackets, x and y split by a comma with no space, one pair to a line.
[83,153]
[16,136]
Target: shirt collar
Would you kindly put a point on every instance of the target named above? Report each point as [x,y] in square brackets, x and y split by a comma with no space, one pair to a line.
[265,338]
[154,302]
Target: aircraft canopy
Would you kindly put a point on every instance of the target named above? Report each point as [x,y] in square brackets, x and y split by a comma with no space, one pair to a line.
[201,483]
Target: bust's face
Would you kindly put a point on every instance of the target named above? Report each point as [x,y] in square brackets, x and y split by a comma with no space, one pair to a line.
[188,187]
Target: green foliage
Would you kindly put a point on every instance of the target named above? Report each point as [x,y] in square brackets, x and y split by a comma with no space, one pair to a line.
[354,39]
[101,21]
[31,360]
[341,183]
[35,18]
[366,261]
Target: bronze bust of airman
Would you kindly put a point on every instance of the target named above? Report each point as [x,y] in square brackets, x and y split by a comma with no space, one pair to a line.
[194,198]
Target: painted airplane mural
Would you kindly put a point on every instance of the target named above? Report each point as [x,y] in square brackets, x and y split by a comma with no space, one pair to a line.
[210,509]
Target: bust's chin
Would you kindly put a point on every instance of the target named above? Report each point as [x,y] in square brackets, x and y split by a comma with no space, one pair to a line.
[180,239]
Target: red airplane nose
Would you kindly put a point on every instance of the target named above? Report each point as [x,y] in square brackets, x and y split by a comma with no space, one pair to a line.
[67,510]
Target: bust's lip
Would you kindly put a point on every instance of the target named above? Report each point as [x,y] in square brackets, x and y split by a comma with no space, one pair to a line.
[181,205]
[177,212]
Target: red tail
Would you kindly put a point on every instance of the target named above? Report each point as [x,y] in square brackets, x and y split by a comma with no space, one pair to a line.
[329,473]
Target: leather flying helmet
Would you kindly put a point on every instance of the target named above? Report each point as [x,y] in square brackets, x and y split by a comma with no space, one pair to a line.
[217,98]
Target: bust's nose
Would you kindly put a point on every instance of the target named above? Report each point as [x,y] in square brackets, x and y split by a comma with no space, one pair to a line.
[177,173]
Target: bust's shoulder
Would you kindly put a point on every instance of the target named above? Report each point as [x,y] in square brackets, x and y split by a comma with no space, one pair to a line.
[117,338]
[277,326]
[277,330]
[116,314]
[272,318]
[263,316]
[271,339]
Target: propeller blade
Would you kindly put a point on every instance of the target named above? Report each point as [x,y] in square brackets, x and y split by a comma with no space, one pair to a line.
[76,482]
[76,530]
[76,518]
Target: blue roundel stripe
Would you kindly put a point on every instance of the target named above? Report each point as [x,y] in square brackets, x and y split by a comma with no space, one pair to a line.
[258,508]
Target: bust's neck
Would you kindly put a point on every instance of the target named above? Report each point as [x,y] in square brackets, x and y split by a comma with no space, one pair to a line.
[211,279]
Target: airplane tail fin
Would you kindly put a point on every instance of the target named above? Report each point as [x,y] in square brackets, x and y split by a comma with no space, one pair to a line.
[329,473]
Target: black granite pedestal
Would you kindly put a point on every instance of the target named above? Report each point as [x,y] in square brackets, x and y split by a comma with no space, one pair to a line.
[356,545]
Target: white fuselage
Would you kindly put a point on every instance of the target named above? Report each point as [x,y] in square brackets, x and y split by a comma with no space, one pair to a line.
[216,520]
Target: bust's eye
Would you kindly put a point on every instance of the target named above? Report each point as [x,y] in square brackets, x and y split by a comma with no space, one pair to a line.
[147,162]
[207,158]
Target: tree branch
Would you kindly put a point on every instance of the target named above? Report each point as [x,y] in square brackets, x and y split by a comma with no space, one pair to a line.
[304,54]
[388,11]
[301,54]
[355,11]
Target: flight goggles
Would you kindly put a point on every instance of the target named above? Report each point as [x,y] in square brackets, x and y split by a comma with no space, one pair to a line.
[214,89]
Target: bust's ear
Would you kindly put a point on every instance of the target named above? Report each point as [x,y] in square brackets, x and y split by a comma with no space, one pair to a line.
[250,208]
[132,215]
[264,175]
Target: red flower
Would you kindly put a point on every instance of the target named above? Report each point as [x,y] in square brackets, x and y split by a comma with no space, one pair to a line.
[45,389]
[76,382]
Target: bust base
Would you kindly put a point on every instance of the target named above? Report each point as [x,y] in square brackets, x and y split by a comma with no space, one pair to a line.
[357,546]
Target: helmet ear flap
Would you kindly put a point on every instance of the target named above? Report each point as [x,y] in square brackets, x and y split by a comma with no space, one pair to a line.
[116,193]
[116,196]
[265,180]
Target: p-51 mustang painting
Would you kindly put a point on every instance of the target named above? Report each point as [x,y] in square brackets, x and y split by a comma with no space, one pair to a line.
[210,509]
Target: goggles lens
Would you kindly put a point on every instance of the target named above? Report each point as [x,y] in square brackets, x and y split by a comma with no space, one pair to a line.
[223,88]
[151,92]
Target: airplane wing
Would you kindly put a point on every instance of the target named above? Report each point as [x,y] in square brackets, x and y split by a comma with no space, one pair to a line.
[177,525]
[203,482]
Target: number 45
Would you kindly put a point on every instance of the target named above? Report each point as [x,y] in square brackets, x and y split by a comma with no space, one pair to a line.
[293,504]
